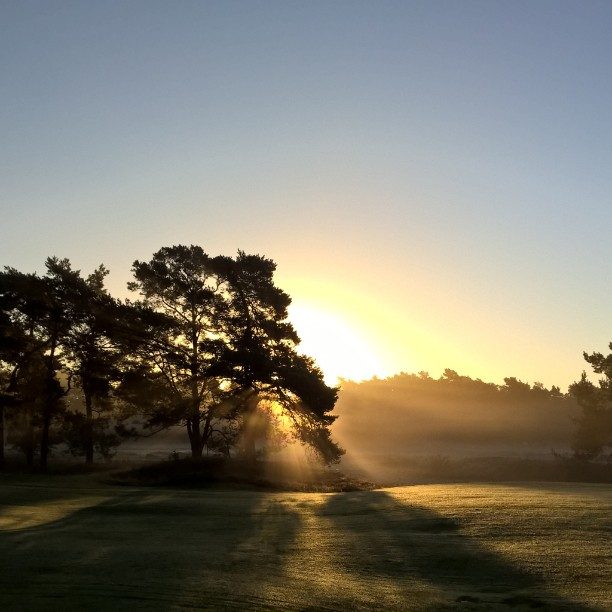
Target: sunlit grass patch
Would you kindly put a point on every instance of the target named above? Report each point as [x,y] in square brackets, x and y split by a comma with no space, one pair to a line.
[19,517]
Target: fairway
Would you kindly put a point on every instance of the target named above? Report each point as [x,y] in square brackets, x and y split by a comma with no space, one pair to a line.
[430,547]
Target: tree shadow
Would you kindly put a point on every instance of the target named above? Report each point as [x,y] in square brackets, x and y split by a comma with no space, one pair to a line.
[163,549]
[151,550]
[404,545]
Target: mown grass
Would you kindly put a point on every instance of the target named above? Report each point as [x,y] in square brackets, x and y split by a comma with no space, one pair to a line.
[72,543]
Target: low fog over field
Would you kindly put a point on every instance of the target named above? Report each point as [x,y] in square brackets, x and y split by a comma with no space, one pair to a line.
[412,427]
[408,413]
[391,427]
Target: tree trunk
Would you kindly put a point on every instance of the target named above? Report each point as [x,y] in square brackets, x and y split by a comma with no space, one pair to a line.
[48,405]
[44,437]
[29,446]
[195,437]
[250,428]
[89,442]
[1,434]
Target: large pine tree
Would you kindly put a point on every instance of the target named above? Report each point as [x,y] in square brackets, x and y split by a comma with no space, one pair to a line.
[229,350]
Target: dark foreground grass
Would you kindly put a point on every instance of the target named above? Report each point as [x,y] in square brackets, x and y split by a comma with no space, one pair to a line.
[70,543]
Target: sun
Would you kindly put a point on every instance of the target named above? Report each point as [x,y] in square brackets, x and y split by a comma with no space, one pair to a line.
[338,348]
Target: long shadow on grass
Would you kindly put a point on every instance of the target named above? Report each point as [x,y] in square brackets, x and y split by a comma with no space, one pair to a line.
[151,550]
[381,538]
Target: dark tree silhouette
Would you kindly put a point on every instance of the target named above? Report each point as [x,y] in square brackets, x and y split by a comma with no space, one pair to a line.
[229,350]
[33,308]
[92,357]
[13,347]
[29,394]
[594,426]
[55,332]
[208,346]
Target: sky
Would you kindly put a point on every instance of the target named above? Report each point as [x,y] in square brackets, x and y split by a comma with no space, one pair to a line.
[432,178]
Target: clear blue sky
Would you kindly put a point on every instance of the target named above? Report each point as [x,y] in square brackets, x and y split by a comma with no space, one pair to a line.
[449,161]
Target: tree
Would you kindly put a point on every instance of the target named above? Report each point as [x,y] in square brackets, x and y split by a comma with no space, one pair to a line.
[7,399]
[12,348]
[228,351]
[56,315]
[100,342]
[56,333]
[594,426]
[29,396]
[91,358]
[34,319]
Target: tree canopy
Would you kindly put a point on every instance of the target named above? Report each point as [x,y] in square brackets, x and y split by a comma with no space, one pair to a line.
[594,426]
[229,351]
[206,345]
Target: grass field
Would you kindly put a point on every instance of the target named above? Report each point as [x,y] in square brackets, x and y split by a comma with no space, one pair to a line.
[71,543]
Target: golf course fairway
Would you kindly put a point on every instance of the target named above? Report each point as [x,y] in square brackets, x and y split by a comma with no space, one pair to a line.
[72,543]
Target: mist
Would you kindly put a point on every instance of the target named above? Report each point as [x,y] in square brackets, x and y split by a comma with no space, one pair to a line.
[412,427]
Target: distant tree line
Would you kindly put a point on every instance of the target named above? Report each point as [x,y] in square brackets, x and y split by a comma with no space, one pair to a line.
[416,411]
[206,344]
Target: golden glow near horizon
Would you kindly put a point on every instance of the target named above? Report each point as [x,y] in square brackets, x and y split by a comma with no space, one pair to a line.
[339,348]
[356,334]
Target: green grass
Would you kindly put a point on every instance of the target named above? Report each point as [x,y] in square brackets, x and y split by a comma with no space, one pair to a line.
[71,543]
